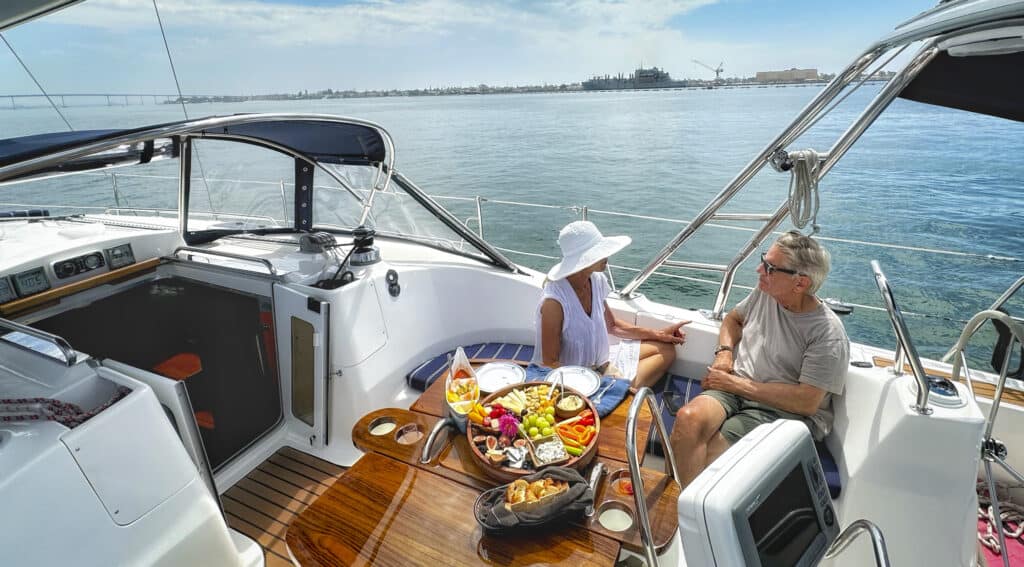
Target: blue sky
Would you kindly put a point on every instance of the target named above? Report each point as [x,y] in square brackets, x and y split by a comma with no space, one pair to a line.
[252,46]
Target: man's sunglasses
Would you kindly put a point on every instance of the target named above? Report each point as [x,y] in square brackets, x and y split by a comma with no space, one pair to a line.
[770,268]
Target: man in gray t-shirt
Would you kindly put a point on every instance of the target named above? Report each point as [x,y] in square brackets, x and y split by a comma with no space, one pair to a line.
[782,354]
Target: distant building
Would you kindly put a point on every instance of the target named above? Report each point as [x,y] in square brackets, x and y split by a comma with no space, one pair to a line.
[652,78]
[792,75]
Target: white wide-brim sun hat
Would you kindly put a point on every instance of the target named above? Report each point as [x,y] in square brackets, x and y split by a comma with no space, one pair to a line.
[583,246]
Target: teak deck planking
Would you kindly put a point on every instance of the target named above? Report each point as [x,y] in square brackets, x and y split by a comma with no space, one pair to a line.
[264,503]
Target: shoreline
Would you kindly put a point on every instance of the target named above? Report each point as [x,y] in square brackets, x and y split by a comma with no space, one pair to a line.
[141,99]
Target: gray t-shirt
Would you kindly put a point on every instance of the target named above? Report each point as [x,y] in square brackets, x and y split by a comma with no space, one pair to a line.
[781,346]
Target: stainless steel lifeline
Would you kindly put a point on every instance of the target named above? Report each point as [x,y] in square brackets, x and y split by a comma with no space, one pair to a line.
[639,502]
[70,357]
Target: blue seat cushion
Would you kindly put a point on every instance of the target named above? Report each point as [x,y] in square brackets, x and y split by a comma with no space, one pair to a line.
[831,470]
[426,372]
[675,391]
[672,392]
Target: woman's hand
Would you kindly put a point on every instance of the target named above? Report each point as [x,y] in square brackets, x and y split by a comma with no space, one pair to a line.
[673,334]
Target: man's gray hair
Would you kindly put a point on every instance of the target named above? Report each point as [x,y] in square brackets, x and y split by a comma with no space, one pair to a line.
[805,256]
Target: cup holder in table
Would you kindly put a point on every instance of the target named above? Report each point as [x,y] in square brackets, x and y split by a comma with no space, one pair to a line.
[408,434]
[382,426]
[615,516]
[621,483]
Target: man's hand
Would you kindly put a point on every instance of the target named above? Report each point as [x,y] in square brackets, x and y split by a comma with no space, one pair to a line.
[721,380]
[673,334]
[723,361]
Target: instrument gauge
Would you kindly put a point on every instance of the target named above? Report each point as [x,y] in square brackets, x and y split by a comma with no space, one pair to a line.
[31,281]
[93,261]
[7,292]
[120,256]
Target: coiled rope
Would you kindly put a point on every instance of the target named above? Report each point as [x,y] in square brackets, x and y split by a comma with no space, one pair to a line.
[48,409]
[803,189]
[1011,517]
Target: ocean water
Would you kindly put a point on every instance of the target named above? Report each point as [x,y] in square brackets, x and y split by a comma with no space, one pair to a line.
[642,163]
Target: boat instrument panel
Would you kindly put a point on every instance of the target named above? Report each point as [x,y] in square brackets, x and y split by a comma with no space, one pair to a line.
[38,279]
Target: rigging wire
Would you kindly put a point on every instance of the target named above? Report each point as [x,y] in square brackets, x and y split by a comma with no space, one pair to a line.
[167,49]
[181,99]
[34,80]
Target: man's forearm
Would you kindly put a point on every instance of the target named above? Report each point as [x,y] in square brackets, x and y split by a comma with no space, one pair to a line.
[731,330]
[801,399]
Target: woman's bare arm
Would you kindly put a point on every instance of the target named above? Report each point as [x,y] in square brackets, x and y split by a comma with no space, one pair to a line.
[671,334]
[551,317]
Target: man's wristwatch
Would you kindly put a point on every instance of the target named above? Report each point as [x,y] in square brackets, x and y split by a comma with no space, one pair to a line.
[722,348]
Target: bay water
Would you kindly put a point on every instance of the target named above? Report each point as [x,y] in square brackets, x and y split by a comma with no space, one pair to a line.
[937,188]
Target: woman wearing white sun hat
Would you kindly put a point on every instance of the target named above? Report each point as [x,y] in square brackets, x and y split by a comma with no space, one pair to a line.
[573,320]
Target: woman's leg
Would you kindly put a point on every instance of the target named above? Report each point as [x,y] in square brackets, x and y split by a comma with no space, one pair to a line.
[655,360]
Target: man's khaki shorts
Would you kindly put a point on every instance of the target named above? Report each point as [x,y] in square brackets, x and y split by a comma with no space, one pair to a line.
[743,415]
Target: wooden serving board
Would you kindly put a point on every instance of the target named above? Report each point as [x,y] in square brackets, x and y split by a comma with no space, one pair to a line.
[508,474]
[611,443]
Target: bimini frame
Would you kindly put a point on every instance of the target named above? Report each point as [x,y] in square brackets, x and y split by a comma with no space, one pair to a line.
[949,20]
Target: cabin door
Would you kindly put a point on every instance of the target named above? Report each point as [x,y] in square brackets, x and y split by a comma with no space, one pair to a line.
[302,325]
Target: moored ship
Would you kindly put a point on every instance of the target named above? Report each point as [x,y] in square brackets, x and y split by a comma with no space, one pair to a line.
[642,78]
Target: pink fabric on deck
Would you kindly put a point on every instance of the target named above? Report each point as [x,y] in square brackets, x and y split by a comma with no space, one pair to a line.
[1014,546]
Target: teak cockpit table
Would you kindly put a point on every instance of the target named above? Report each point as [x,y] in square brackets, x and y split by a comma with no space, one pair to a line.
[390,509]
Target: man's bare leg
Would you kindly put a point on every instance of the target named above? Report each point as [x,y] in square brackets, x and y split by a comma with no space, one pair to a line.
[695,438]
[716,447]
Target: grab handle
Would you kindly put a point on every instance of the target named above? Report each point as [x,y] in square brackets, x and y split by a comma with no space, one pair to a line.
[855,529]
[646,536]
[262,261]
[70,357]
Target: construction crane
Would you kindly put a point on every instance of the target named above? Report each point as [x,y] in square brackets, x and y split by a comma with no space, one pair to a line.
[716,70]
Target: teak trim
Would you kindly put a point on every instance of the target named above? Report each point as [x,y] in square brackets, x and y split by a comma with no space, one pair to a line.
[983,389]
[53,295]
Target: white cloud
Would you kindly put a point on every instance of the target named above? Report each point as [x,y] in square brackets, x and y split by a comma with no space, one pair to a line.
[376,21]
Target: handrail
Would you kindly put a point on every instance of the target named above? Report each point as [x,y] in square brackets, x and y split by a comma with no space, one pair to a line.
[992,450]
[1016,329]
[646,536]
[790,134]
[805,120]
[70,356]
[995,306]
[851,532]
[262,261]
[899,326]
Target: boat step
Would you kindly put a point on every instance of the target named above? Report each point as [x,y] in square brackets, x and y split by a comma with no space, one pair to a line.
[263,504]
